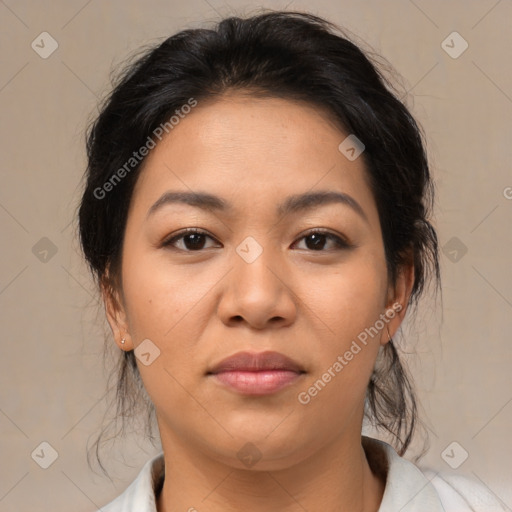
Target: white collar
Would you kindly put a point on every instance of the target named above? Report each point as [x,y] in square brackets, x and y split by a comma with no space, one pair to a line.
[408,489]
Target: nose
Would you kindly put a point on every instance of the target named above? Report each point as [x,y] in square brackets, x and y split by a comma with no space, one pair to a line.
[258,292]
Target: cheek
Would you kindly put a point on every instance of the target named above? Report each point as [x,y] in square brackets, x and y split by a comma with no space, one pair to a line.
[160,297]
[350,305]
[350,298]
[164,305]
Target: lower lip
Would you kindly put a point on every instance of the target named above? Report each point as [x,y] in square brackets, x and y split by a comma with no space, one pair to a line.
[262,382]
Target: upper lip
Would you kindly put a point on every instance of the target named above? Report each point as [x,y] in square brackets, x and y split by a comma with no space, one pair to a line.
[254,361]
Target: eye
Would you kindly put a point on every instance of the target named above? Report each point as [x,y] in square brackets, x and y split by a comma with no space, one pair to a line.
[193,239]
[316,240]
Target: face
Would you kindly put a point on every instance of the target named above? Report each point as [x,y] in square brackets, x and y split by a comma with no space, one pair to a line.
[262,271]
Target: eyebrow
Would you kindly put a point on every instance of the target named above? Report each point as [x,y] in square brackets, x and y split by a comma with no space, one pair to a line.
[292,204]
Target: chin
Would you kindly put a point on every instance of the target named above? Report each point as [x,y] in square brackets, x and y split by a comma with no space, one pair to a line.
[265,448]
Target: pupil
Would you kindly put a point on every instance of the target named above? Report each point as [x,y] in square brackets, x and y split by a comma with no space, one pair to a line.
[317,241]
[195,238]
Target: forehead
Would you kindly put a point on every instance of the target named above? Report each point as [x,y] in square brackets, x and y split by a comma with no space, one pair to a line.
[254,151]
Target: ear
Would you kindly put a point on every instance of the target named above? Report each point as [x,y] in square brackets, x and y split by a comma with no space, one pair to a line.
[115,312]
[399,294]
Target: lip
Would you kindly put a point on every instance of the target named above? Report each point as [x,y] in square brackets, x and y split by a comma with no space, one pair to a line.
[262,373]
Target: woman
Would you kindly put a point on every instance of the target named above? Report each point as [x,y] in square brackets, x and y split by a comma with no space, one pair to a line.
[256,213]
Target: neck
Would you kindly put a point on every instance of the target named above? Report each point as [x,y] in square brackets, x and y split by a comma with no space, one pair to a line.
[336,479]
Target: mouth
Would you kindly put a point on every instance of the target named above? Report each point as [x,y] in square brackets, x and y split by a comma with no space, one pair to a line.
[256,373]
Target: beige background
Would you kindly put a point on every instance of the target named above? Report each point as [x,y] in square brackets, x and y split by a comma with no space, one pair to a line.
[51,375]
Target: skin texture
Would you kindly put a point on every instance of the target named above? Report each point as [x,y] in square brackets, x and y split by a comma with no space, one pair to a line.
[201,306]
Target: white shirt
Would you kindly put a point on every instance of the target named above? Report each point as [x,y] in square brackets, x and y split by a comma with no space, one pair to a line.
[408,489]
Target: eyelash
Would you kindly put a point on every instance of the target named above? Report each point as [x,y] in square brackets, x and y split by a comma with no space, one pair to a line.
[340,242]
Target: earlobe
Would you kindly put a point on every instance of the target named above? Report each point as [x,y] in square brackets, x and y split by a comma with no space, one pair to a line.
[392,318]
[116,315]
[398,300]
[389,334]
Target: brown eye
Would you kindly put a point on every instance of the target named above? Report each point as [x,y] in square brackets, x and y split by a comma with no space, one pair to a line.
[317,240]
[191,240]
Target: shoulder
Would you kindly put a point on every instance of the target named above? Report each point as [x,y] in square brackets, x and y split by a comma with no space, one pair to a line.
[457,492]
[410,488]
[140,495]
